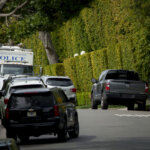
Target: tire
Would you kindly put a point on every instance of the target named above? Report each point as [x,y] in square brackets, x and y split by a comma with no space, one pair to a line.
[3,122]
[93,103]
[24,138]
[104,102]
[62,134]
[142,106]
[75,132]
[130,106]
[10,134]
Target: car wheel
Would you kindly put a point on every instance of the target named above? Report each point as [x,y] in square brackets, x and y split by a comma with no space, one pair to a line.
[142,106]
[93,103]
[75,132]
[62,134]
[3,122]
[130,106]
[24,138]
[10,134]
[104,102]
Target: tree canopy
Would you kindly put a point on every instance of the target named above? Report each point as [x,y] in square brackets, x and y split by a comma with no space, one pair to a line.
[23,17]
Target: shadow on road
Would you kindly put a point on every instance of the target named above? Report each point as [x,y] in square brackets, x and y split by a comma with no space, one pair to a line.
[89,143]
[54,140]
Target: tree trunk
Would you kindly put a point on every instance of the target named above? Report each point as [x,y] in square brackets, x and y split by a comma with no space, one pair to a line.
[49,48]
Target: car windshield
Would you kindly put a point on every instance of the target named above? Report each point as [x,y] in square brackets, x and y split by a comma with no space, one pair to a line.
[59,82]
[15,88]
[27,101]
[122,74]
[17,69]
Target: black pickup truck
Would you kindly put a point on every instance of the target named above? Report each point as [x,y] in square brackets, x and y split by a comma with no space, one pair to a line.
[119,87]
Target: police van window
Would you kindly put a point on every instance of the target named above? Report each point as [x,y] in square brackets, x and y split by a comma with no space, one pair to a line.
[17,69]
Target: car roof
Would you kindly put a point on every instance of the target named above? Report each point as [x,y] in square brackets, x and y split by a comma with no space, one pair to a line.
[33,90]
[26,83]
[56,77]
[26,78]
[45,78]
[118,70]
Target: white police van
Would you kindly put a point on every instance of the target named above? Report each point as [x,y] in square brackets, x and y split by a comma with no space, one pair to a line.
[15,61]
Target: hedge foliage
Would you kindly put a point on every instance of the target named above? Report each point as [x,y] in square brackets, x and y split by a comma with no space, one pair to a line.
[83,68]
[115,35]
[54,69]
[83,98]
[99,62]
[120,26]
[40,58]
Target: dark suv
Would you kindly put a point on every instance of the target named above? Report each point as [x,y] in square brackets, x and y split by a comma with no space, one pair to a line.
[33,112]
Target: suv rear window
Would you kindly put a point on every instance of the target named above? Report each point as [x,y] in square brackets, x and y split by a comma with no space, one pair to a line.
[27,101]
[122,74]
[13,89]
[59,82]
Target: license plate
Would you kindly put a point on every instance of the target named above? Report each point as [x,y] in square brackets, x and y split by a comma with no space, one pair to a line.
[31,114]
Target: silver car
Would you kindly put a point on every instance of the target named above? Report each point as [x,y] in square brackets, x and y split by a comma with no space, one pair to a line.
[62,82]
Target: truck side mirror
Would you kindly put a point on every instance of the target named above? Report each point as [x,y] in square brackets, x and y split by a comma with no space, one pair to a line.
[41,71]
[94,80]
[2,93]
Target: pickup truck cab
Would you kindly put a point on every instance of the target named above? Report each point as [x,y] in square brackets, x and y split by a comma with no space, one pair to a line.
[119,87]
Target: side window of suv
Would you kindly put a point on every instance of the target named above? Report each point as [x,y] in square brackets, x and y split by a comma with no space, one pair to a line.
[58,97]
[63,95]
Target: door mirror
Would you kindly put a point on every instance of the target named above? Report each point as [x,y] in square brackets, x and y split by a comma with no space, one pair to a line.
[41,71]
[2,93]
[94,80]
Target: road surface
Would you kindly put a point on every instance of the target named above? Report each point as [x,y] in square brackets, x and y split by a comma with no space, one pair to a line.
[101,130]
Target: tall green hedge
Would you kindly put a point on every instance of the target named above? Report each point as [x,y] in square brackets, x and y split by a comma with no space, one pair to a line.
[70,70]
[54,69]
[83,98]
[99,62]
[40,58]
[120,26]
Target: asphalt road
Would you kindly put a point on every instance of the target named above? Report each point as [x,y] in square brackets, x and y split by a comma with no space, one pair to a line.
[101,130]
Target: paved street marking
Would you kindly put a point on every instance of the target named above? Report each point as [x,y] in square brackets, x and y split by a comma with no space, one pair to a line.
[132,115]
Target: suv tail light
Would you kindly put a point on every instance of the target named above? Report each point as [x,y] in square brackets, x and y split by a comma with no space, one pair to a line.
[146,88]
[56,110]
[73,90]
[107,86]
[7,113]
[6,101]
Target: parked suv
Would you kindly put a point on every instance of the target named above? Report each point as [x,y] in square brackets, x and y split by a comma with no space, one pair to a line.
[14,84]
[33,112]
[62,82]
